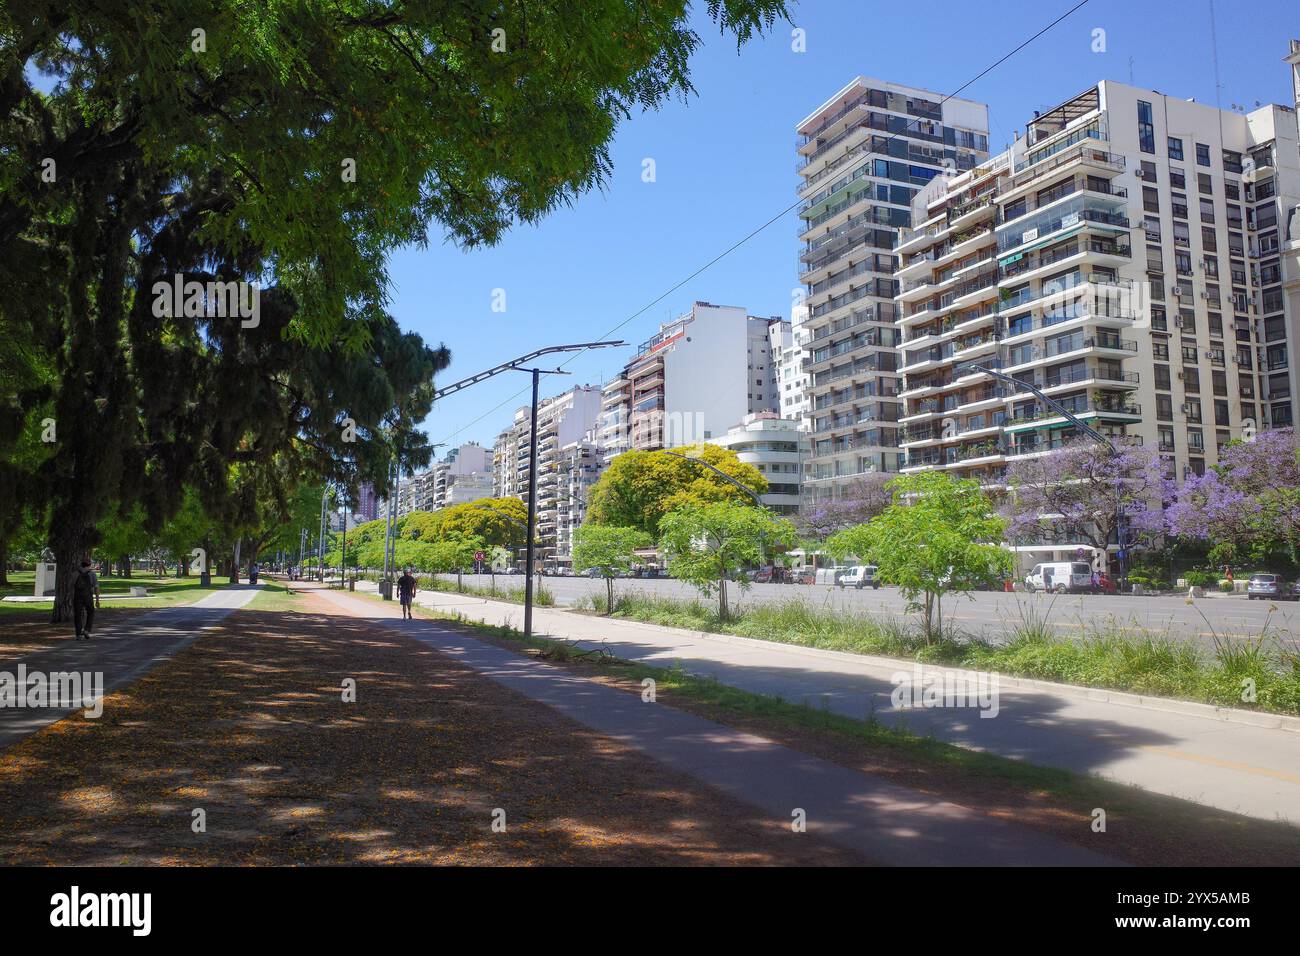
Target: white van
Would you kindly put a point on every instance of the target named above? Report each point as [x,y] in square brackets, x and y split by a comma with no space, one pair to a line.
[1060,576]
[831,575]
[864,575]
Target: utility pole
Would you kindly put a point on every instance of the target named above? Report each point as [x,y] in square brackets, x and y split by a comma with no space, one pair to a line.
[320,542]
[517,365]
[532,511]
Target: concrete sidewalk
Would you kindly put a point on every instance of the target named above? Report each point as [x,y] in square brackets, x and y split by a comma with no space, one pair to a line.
[888,824]
[121,652]
[1166,747]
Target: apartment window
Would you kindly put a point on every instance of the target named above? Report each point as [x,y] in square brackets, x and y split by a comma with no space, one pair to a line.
[1195,440]
[1276,357]
[1160,350]
[1231,161]
[1179,207]
[1182,262]
[1164,408]
[1192,408]
[1221,413]
[1232,190]
[1146,128]
[1150,199]
[1175,148]
[1207,210]
[1216,326]
[1204,184]
[1162,376]
[1202,154]
[1191,379]
[1210,243]
[1166,438]
[1189,353]
[1158,317]
[1176,178]
[1147,171]
[1219,382]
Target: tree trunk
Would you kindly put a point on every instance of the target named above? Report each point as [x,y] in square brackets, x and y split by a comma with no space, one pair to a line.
[124,566]
[4,563]
[69,539]
[722,598]
[609,596]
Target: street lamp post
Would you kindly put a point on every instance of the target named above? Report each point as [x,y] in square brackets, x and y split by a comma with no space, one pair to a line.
[518,365]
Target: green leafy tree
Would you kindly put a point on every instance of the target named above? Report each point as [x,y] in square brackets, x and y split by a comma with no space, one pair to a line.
[295,145]
[640,487]
[609,549]
[709,544]
[940,536]
[454,553]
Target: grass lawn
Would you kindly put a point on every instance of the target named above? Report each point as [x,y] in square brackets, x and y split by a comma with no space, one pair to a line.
[250,726]
[1107,654]
[1143,828]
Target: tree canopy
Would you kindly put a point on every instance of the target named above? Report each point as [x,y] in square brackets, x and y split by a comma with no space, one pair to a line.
[284,148]
[640,487]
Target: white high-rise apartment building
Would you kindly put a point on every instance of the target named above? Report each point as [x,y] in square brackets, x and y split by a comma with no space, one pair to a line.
[691,381]
[1124,257]
[467,465]
[863,155]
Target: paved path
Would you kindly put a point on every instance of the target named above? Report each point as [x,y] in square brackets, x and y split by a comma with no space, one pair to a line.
[987,614]
[888,824]
[1254,770]
[121,652]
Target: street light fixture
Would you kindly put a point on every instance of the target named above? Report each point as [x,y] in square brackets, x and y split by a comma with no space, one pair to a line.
[518,365]
[1086,429]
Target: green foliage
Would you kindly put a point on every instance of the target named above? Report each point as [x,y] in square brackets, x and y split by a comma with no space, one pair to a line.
[938,537]
[640,487]
[608,548]
[708,545]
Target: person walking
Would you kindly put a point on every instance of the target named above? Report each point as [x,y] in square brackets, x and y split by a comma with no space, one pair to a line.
[406,592]
[85,598]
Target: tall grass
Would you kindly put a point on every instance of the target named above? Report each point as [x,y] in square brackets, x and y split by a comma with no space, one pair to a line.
[1109,653]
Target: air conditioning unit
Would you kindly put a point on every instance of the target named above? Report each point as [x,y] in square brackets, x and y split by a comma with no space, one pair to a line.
[1184,408]
[1180,376]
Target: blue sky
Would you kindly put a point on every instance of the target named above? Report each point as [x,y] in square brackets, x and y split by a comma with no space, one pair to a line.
[725,165]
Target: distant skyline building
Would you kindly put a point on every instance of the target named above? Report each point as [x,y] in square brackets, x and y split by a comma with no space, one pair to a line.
[775,446]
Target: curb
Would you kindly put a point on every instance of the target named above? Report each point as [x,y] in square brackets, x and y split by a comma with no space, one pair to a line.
[1169,705]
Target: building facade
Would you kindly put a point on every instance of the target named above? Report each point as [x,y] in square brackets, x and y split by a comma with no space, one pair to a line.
[775,446]
[692,380]
[1125,257]
[863,155]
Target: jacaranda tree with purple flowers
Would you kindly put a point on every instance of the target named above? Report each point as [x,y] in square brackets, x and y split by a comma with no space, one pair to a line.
[1078,493]
[1247,506]
[860,501]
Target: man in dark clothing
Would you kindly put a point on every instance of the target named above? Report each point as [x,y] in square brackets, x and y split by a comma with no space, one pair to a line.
[85,598]
[406,592]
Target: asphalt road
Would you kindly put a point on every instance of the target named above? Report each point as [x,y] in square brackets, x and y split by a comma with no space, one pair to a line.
[993,615]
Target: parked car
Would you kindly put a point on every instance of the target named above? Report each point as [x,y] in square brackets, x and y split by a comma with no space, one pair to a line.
[1271,586]
[593,573]
[864,575]
[765,575]
[1060,576]
[803,576]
